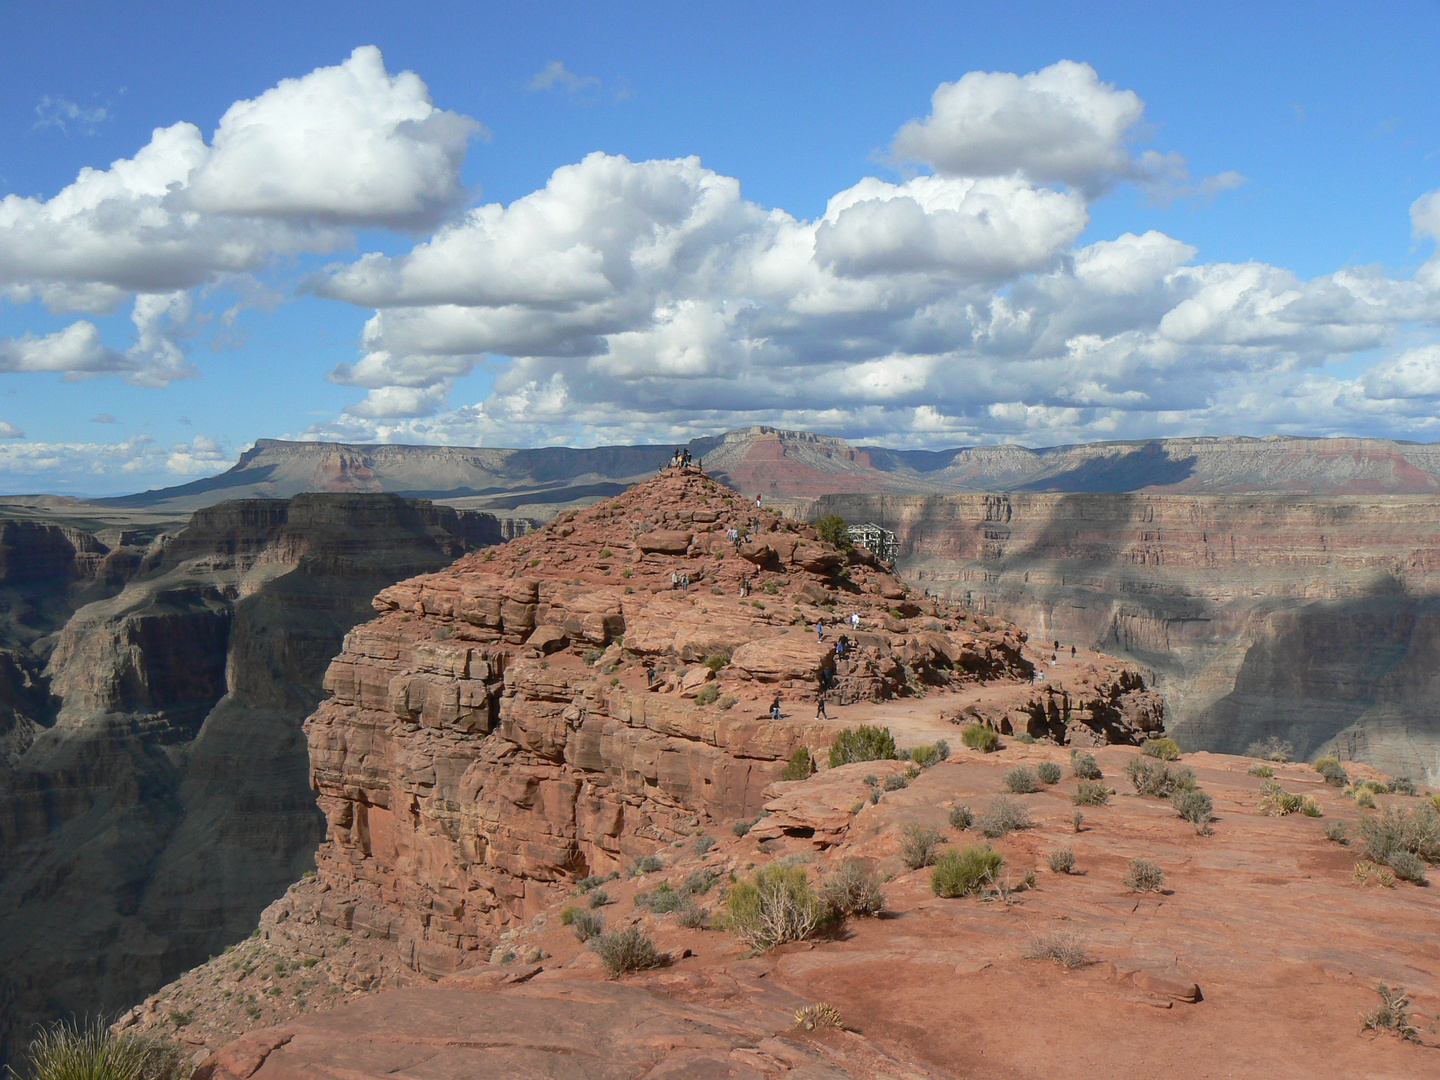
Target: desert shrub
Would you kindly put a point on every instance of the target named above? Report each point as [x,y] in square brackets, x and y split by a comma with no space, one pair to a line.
[717,660]
[1368,873]
[727,701]
[740,828]
[1392,1014]
[1083,765]
[818,1016]
[1277,802]
[1164,748]
[1261,770]
[690,914]
[924,756]
[663,900]
[699,882]
[1021,781]
[1272,748]
[1194,806]
[567,914]
[1407,866]
[1153,777]
[1026,738]
[874,796]
[1062,949]
[70,1051]
[646,864]
[961,817]
[771,588]
[591,655]
[1335,830]
[704,844]
[1048,772]
[1142,875]
[775,906]
[707,694]
[1395,830]
[1078,820]
[864,743]
[586,924]
[1062,860]
[942,749]
[831,529]
[959,873]
[896,782]
[1005,815]
[801,766]
[918,844]
[852,890]
[599,898]
[1330,769]
[1403,785]
[1090,793]
[626,950]
[979,737]
[1364,799]
[1310,806]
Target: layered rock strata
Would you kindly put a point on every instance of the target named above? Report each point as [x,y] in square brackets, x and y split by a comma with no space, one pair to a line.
[551,709]
[1309,618]
[156,798]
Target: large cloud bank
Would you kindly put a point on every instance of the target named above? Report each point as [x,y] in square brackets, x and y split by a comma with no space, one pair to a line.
[649,299]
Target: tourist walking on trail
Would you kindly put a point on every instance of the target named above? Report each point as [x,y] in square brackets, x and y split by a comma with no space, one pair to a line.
[775,708]
[674,579]
[820,701]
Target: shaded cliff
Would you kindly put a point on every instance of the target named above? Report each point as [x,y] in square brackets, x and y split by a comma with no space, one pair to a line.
[158,798]
[1313,618]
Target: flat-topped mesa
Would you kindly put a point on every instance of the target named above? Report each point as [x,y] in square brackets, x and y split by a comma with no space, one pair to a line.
[551,708]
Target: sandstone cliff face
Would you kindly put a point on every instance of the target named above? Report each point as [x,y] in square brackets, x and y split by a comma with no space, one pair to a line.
[1308,617]
[161,799]
[540,713]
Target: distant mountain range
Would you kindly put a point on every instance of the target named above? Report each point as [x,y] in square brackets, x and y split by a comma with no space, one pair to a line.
[799,464]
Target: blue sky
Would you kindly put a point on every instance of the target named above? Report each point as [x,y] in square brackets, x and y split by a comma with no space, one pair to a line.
[1212,220]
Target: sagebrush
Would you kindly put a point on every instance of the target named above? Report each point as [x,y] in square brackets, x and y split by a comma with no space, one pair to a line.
[864,743]
[968,870]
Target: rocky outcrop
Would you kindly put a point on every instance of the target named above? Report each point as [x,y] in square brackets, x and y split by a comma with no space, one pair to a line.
[551,709]
[1310,618]
[156,795]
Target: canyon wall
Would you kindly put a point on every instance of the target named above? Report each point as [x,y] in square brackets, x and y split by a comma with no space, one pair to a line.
[155,795]
[1312,618]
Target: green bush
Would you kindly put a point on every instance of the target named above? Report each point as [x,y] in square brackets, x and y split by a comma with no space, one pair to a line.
[567,914]
[896,782]
[717,660]
[864,743]
[663,900]
[1084,766]
[1090,793]
[707,694]
[1152,777]
[1062,860]
[918,844]
[586,924]
[942,748]
[1004,816]
[1277,802]
[1395,830]
[1021,781]
[801,766]
[1194,806]
[1403,785]
[1264,771]
[623,951]
[961,817]
[727,701]
[1335,830]
[959,873]
[1330,769]
[69,1051]
[852,890]
[1163,748]
[704,844]
[1048,772]
[1142,875]
[1407,866]
[979,737]
[831,529]
[646,864]
[775,906]
[924,756]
